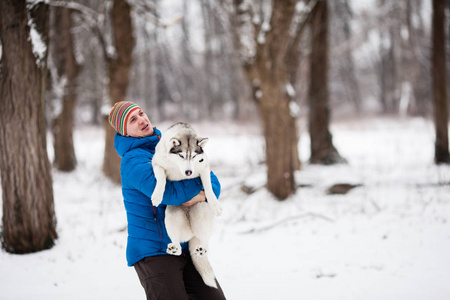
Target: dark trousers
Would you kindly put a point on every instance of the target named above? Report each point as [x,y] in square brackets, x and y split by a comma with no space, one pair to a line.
[168,277]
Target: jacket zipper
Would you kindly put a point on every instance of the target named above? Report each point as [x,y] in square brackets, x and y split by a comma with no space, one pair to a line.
[157,225]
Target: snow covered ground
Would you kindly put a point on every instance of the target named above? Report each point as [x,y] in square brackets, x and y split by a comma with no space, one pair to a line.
[388,239]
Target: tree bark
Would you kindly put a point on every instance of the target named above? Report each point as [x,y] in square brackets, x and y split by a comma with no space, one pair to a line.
[269,76]
[65,76]
[439,78]
[322,148]
[29,222]
[280,134]
[119,68]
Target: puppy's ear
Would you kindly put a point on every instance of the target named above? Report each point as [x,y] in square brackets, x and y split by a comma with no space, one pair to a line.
[175,142]
[202,141]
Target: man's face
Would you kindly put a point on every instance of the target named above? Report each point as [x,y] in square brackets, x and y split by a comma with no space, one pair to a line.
[138,124]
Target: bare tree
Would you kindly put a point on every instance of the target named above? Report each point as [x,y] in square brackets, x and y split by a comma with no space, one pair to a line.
[416,61]
[322,148]
[402,59]
[345,85]
[117,53]
[64,72]
[387,73]
[263,39]
[184,77]
[119,65]
[439,78]
[29,222]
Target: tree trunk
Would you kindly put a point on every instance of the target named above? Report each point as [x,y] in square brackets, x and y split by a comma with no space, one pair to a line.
[65,77]
[416,69]
[119,68]
[280,134]
[439,77]
[269,76]
[208,62]
[346,66]
[29,222]
[322,149]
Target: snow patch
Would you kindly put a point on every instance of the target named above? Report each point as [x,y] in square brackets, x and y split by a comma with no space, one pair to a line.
[38,45]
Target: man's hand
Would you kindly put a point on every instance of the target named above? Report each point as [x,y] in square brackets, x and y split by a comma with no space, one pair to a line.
[199,198]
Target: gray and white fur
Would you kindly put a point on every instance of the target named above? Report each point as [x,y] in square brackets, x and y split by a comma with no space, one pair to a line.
[179,155]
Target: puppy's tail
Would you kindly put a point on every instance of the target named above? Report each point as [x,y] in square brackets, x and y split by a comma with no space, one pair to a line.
[202,264]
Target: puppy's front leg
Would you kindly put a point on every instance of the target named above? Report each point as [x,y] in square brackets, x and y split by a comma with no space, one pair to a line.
[205,176]
[160,176]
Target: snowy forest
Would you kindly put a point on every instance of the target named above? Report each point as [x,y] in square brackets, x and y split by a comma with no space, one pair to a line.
[328,129]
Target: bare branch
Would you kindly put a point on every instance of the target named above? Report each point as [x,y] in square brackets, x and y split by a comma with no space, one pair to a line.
[148,12]
[89,12]
[91,17]
[300,20]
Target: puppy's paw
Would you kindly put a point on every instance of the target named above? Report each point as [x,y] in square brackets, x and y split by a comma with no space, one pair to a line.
[216,208]
[173,249]
[200,250]
[156,200]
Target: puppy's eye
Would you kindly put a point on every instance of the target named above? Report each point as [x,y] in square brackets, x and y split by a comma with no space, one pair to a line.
[181,155]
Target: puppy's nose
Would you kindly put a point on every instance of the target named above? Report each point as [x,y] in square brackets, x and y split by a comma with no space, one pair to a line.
[188,173]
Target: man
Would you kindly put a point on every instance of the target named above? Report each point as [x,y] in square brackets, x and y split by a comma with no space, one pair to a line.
[163,276]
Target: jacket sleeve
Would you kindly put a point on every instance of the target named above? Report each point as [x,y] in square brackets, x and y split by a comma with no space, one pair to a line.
[138,174]
[215,185]
[178,192]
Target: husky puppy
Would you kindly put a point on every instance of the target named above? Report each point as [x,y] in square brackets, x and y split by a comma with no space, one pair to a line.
[179,155]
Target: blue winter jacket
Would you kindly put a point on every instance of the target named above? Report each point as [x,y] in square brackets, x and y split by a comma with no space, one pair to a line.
[147,235]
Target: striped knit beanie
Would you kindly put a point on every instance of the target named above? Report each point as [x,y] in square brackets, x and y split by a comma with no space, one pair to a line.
[118,116]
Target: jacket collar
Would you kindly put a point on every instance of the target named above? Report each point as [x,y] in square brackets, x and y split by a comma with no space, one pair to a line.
[123,144]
